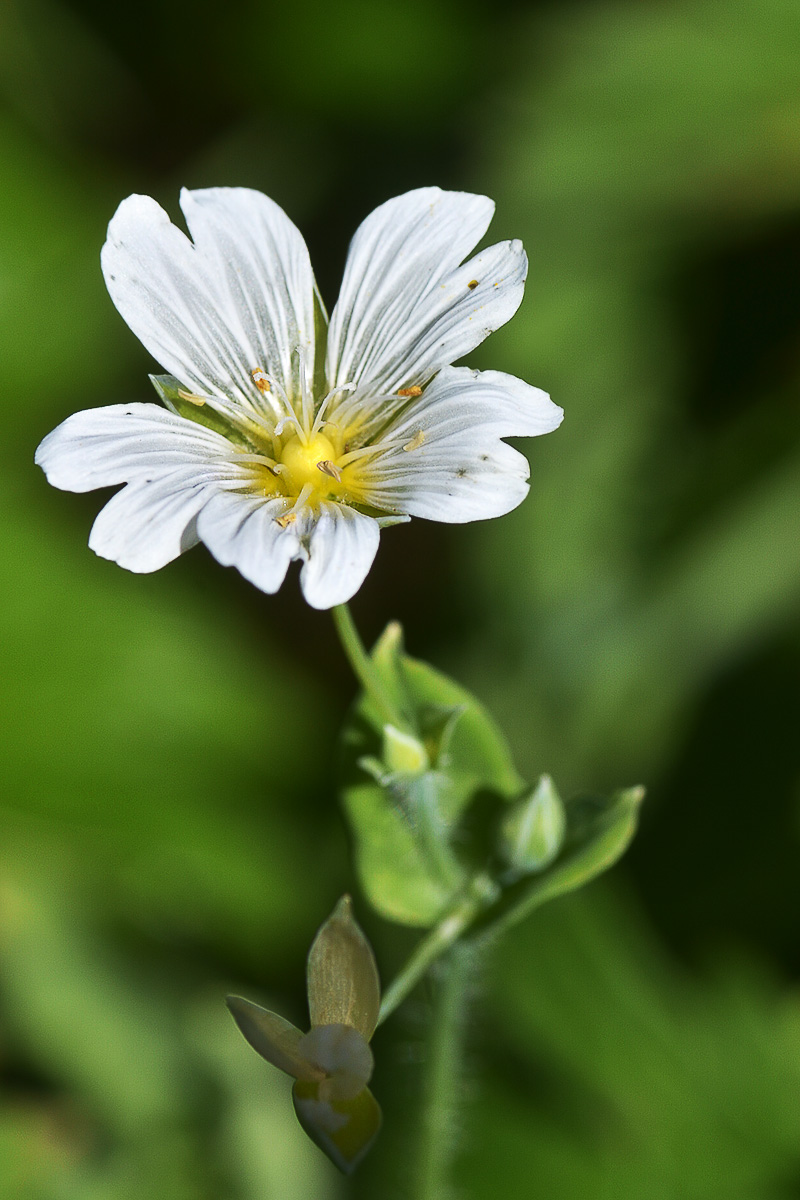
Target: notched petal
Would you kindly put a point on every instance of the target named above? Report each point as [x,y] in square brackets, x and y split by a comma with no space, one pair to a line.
[343,984]
[275,1039]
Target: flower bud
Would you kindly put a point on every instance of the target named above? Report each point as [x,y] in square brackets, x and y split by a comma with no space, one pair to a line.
[332,1064]
[403,754]
[532,831]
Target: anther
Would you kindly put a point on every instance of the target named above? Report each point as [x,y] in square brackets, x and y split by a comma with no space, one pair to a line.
[260,379]
[416,441]
[286,520]
[192,398]
[330,468]
[410,391]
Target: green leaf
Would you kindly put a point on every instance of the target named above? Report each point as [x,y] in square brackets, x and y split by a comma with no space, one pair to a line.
[395,874]
[403,821]
[273,1037]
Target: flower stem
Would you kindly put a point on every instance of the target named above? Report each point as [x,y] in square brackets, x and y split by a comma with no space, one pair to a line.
[438,1119]
[363,667]
[436,943]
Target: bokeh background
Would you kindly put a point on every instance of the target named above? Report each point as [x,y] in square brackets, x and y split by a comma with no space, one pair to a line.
[169,827]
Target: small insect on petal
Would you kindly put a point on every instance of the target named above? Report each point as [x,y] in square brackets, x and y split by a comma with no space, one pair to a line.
[329,468]
[410,391]
[473,283]
[286,520]
[260,380]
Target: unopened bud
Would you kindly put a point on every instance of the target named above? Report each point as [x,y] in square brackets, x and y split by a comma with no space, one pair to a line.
[532,831]
[403,754]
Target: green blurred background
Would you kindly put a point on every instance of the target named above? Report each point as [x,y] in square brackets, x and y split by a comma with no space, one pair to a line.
[169,823]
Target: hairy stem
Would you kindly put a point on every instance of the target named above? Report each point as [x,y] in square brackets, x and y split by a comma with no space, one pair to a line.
[435,944]
[438,1115]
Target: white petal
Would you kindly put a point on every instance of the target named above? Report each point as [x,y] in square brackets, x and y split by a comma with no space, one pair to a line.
[447,462]
[240,297]
[103,446]
[406,307]
[339,550]
[151,522]
[241,531]
[479,404]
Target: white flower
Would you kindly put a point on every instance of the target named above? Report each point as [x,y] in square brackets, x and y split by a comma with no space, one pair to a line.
[284,437]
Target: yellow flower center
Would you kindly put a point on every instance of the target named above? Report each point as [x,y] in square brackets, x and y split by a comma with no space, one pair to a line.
[311,462]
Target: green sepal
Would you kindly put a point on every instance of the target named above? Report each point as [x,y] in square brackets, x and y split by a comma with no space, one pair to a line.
[458,733]
[598,833]
[403,824]
[273,1037]
[169,389]
[320,344]
[343,984]
[343,1129]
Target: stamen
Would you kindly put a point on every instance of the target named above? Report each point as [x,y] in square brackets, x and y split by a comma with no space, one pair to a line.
[288,517]
[318,422]
[279,428]
[329,468]
[261,459]
[267,385]
[247,421]
[261,379]
[192,398]
[306,399]
[363,451]
[416,441]
[383,408]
